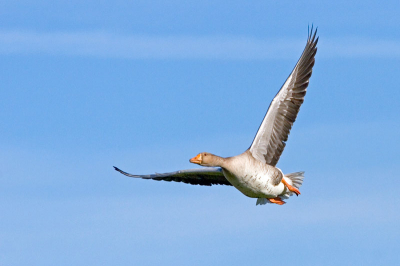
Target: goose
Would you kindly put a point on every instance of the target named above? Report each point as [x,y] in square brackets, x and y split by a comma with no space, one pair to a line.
[254,172]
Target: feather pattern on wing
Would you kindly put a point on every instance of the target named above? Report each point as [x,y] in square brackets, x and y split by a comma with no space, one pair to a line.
[274,130]
[206,176]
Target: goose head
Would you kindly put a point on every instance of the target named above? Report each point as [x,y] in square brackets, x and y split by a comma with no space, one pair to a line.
[206,159]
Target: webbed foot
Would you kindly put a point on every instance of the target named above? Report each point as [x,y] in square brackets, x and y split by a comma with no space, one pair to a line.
[277,200]
[291,188]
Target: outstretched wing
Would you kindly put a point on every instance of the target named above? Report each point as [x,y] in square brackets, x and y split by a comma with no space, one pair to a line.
[274,130]
[205,176]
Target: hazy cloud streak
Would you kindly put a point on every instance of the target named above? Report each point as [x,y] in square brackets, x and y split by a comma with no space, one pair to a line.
[103,44]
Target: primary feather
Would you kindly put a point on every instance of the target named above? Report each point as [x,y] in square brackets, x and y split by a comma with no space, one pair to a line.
[204,176]
[274,130]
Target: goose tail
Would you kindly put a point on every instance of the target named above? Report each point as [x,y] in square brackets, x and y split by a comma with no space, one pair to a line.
[294,179]
[262,201]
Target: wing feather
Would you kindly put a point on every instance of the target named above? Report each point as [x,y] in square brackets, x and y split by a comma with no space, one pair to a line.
[274,130]
[205,176]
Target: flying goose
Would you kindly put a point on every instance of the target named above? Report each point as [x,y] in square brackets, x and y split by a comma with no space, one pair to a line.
[254,172]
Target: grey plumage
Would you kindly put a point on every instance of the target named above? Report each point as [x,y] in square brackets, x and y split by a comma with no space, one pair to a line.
[205,176]
[267,145]
[274,130]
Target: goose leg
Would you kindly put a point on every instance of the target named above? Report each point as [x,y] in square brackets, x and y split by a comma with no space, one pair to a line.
[277,200]
[291,188]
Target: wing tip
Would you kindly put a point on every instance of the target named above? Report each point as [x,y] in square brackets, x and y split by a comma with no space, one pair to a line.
[312,33]
[118,170]
[124,173]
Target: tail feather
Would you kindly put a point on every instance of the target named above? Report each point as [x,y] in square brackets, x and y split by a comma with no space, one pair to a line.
[262,201]
[296,178]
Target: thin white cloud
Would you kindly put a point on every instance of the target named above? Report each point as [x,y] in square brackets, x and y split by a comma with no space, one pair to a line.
[360,47]
[103,44]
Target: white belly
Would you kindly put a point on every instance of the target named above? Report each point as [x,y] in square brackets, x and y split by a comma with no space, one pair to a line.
[256,180]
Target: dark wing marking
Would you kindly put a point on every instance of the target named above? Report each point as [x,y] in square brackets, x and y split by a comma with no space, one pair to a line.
[204,176]
[274,130]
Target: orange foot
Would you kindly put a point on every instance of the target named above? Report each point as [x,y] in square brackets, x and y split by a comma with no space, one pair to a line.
[291,188]
[277,200]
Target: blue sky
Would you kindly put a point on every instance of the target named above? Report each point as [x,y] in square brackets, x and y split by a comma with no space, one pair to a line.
[147,85]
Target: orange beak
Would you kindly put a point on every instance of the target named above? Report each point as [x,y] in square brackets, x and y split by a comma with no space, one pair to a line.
[196,159]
